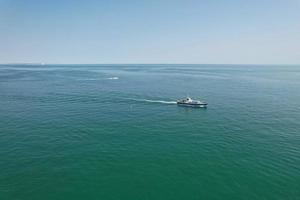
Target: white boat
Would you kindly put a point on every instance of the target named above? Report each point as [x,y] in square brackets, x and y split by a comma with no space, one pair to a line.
[191,103]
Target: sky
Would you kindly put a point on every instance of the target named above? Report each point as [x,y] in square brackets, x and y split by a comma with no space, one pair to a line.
[152,31]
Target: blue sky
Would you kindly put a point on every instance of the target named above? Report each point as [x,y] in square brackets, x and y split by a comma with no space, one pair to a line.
[153,31]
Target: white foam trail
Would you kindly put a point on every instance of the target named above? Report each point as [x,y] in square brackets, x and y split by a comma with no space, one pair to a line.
[158,101]
[154,101]
[88,79]
[113,78]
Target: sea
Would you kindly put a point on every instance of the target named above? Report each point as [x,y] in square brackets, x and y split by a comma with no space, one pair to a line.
[114,132]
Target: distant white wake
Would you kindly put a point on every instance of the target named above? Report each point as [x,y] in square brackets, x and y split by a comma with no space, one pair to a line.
[154,101]
[97,79]
[113,78]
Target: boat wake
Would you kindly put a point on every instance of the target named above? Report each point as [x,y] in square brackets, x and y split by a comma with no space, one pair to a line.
[154,101]
[113,78]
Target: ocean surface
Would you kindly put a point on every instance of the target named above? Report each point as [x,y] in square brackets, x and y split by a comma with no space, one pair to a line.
[111,132]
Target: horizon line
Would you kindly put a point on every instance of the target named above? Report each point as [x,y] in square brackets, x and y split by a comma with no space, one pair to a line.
[43,63]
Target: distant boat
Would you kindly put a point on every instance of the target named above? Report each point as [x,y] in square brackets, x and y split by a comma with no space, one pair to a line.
[191,103]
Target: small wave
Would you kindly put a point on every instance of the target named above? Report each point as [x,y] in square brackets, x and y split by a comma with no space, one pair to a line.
[113,78]
[154,101]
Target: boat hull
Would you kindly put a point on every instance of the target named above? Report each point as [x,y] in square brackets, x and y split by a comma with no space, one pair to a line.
[202,105]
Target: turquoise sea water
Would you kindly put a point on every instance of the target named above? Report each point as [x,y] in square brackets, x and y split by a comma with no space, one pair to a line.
[114,132]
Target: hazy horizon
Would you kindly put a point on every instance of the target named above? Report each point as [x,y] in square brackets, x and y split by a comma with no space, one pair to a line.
[37,63]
